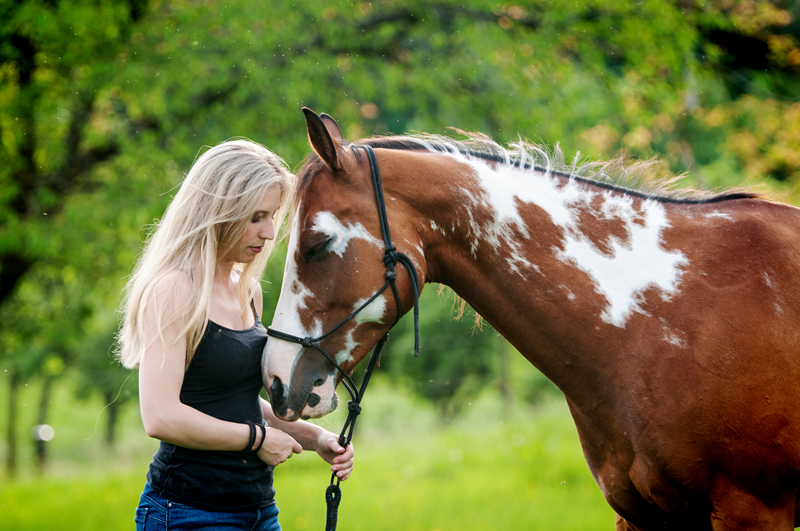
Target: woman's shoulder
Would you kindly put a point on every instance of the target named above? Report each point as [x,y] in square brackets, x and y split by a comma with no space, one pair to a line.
[175,280]
[173,287]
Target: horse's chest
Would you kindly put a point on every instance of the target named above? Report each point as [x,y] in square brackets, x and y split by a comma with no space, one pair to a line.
[641,493]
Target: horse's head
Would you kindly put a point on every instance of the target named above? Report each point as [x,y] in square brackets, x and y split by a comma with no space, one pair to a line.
[334,264]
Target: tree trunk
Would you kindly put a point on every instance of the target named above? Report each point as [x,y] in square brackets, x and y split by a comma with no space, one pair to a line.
[44,407]
[11,432]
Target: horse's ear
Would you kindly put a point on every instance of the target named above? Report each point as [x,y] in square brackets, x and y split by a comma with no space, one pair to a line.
[323,142]
[332,127]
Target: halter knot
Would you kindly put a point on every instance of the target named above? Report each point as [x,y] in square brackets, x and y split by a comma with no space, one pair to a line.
[354,407]
[390,257]
[306,342]
[390,275]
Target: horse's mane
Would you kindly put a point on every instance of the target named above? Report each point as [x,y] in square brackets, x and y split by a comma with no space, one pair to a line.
[636,178]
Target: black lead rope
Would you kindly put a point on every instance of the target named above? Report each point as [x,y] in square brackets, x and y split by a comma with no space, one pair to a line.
[333,494]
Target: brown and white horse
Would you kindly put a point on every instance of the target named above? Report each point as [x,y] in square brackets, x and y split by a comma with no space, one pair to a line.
[670,322]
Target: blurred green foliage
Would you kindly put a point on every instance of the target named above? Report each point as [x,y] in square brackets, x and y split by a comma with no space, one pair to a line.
[105,104]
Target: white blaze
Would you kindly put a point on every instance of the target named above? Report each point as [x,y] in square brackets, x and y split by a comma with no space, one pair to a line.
[281,356]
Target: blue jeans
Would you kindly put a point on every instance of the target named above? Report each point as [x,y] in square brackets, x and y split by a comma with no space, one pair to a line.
[156,513]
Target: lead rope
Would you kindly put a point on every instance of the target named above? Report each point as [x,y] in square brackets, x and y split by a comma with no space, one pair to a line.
[333,494]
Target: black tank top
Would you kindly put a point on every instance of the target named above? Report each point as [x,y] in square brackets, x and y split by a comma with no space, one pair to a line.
[223,381]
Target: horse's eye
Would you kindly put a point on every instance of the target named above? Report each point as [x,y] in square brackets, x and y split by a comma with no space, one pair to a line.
[319,251]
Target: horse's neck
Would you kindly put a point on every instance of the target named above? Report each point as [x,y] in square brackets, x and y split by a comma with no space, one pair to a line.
[555,265]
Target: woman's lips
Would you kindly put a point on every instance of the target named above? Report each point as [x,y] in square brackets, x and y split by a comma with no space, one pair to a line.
[256,249]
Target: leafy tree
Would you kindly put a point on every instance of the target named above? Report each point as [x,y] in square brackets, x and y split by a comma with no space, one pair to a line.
[48,102]
[104,105]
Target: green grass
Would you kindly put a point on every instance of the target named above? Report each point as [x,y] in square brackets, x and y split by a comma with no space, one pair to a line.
[488,469]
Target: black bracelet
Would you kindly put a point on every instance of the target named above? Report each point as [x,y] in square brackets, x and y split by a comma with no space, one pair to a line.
[263,437]
[252,436]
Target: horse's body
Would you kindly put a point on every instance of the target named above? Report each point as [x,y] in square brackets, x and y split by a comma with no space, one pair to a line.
[671,325]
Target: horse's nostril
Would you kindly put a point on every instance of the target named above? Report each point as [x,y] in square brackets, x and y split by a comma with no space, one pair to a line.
[313,400]
[279,402]
[319,382]
[276,387]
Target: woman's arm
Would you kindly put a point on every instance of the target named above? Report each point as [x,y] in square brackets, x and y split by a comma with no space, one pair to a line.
[161,371]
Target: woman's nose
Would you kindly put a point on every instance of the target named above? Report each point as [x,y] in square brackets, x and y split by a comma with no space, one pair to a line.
[268,233]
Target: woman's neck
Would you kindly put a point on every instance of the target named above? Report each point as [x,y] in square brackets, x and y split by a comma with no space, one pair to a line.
[224,275]
[226,309]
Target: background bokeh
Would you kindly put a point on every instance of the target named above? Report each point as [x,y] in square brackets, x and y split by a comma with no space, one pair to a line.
[104,105]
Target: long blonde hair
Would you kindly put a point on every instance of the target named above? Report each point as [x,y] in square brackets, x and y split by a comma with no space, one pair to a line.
[207,217]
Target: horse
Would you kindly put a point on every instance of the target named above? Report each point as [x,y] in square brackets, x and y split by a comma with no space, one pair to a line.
[668,318]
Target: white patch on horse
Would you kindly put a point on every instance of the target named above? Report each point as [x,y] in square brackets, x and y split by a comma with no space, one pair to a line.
[672,337]
[437,228]
[722,215]
[282,355]
[341,235]
[570,295]
[372,313]
[349,345]
[778,294]
[621,275]
[516,261]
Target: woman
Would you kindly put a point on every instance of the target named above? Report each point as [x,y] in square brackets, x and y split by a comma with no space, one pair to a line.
[191,325]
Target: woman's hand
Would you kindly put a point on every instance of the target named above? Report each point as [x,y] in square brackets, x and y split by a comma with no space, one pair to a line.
[278,447]
[341,459]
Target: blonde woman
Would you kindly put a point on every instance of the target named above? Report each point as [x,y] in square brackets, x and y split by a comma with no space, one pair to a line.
[191,326]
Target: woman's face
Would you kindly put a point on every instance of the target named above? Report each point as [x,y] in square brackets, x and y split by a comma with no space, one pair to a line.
[259,229]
